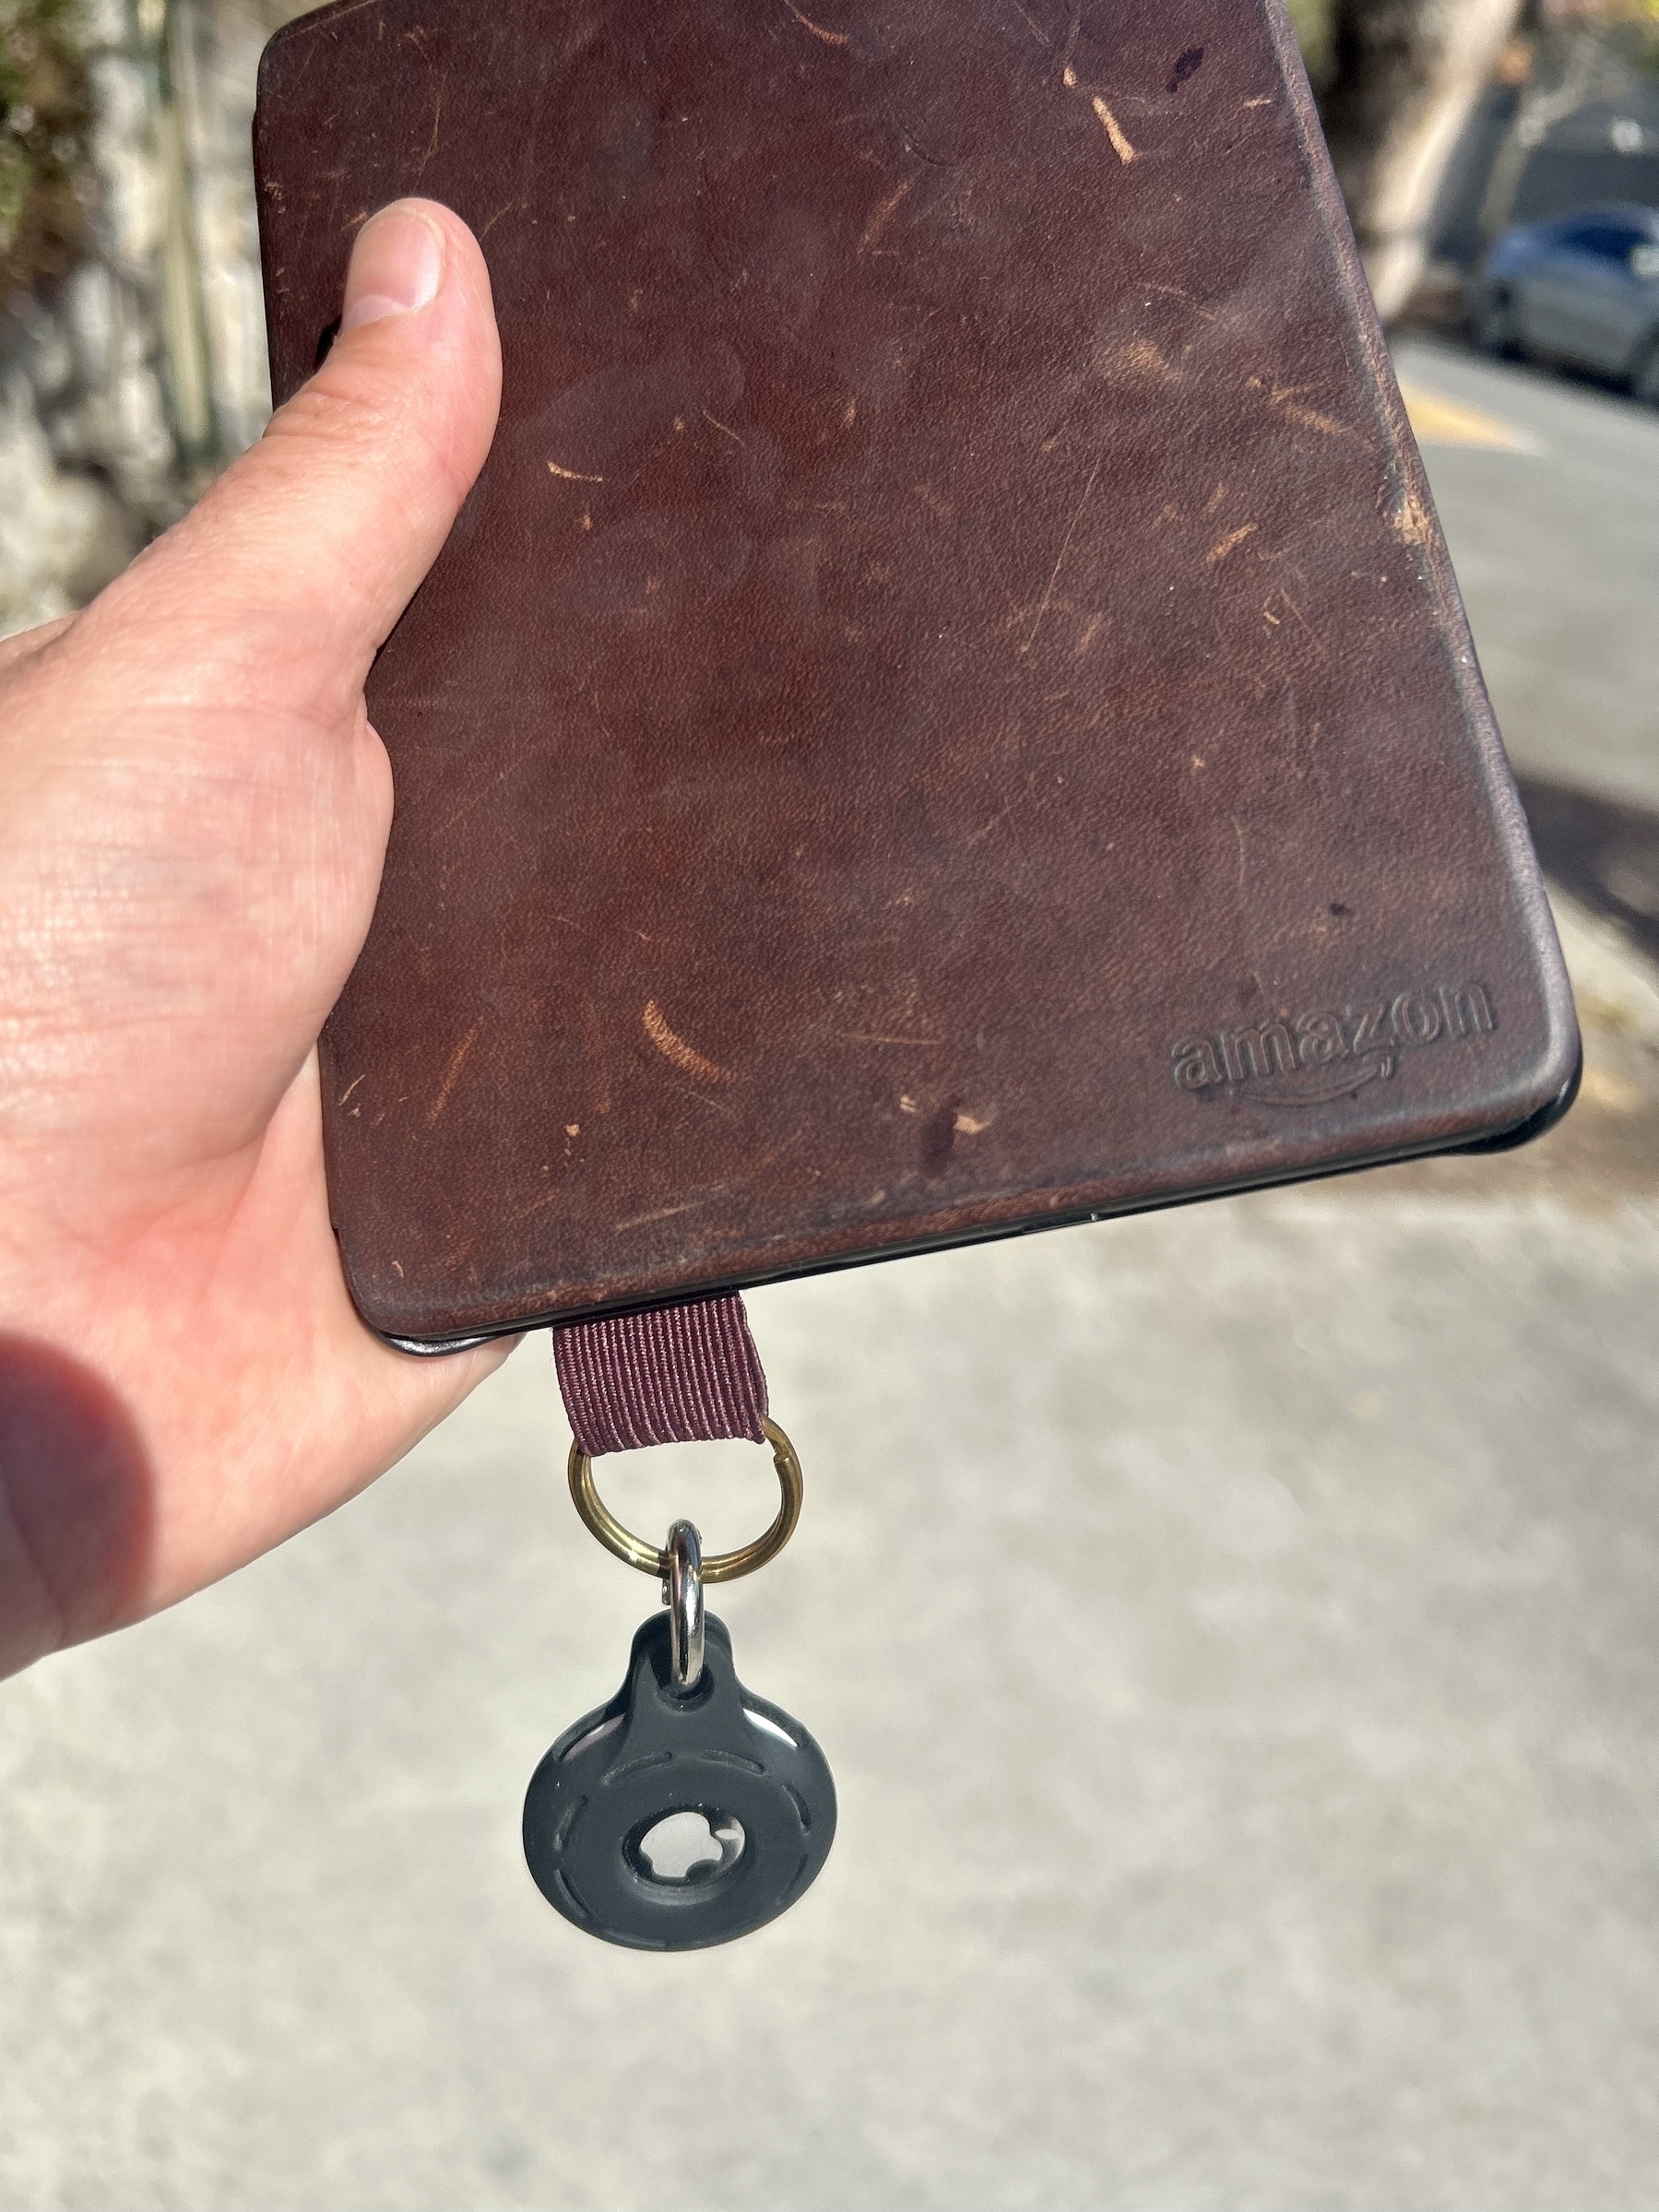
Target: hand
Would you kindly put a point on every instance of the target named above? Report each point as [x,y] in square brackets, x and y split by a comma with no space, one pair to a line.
[192,818]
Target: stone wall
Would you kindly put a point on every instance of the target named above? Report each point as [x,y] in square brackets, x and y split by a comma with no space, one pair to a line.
[126,386]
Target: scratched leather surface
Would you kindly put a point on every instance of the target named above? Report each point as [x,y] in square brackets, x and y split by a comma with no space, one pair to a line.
[947,709]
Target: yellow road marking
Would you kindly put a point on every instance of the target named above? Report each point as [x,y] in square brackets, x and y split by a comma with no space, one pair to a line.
[1436,420]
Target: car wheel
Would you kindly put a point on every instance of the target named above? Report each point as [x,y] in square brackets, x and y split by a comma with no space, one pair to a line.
[1495,330]
[1644,377]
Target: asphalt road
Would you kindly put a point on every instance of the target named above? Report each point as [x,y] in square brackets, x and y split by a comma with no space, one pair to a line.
[1234,1632]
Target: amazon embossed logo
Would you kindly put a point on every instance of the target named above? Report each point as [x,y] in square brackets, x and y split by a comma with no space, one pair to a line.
[1311,1058]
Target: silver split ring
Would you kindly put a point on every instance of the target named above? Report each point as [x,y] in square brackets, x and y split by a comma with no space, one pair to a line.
[682,1594]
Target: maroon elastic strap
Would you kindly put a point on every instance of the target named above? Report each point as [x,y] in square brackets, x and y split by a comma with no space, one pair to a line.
[673,1376]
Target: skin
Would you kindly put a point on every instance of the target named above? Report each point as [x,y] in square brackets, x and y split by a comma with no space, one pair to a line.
[194,812]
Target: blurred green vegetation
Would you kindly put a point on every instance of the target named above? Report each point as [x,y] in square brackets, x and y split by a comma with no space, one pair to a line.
[45,121]
[1313,21]
[1635,25]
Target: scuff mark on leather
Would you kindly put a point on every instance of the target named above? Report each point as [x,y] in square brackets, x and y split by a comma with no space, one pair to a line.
[1311,418]
[675,1048]
[458,1060]
[1223,547]
[1284,397]
[1065,545]
[830,38]
[640,1221]
[1114,131]
[865,1037]
[1409,518]
[881,216]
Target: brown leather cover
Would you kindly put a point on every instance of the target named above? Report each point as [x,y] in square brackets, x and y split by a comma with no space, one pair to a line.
[947,711]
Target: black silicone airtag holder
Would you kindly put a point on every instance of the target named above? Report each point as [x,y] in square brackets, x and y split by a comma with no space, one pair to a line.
[719,1751]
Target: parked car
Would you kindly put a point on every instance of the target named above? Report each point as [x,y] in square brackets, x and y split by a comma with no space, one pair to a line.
[1581,287]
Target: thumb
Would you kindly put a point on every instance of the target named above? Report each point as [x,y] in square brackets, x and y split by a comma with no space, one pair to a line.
[290,571]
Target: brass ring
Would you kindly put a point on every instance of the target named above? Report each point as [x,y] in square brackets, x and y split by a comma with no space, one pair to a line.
[724,1567]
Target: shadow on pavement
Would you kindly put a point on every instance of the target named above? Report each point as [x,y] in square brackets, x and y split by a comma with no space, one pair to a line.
[1603,852]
